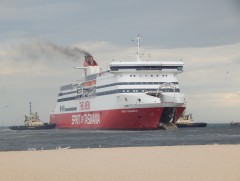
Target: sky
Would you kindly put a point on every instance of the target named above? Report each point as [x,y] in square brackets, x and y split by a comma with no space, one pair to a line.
[41,42]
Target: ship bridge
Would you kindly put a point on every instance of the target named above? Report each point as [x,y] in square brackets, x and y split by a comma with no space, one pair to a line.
[171,67]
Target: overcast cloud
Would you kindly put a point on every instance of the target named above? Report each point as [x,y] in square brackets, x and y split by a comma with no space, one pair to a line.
[40,42]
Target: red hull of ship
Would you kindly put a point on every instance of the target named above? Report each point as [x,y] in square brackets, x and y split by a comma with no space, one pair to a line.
[141,118]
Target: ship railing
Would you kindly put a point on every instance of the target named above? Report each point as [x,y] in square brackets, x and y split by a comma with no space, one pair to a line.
[91,93]
[156,93]
[168,85]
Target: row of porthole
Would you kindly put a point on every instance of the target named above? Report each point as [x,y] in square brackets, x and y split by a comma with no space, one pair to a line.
[136,76]
[165,90]
[147,75]
[105,78]
[133,91]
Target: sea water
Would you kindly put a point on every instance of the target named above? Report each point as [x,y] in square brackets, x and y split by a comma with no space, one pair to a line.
[11,140]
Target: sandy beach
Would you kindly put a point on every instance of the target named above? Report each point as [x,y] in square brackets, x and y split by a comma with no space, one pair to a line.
[207,162]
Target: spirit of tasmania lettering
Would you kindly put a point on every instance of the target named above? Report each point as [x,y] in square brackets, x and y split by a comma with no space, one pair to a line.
[86,118]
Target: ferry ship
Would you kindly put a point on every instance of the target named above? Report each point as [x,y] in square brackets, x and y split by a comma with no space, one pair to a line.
[129,95]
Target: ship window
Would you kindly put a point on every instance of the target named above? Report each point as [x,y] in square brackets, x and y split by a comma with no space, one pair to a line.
[133,75]
[151,75]
[116,68]
[180,68]
[130,75]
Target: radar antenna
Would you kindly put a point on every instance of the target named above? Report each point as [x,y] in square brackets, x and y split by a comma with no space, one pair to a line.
[138,47]
[30,107]
[138,38]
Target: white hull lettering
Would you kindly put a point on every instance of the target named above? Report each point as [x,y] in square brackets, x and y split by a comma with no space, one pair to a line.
[86,118]
[129,111]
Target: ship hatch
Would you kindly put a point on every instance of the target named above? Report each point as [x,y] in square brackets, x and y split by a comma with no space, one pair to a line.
[166,121]
[168,114]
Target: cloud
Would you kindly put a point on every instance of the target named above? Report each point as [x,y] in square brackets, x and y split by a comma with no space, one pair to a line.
[204,34]
[34,70]
[33,10]
[210,81]
[166,24]
[28,56]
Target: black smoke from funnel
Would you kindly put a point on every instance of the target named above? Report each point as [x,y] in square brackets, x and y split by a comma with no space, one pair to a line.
[69,51]
[37,50]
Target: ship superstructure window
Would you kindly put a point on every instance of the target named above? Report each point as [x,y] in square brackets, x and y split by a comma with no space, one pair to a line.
[180,68]
[132,83]
[66,87]
[63,109]
[135,91]
[150,67]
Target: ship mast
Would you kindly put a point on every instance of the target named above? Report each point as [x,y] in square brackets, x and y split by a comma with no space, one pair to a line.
[30,108]
[138,48]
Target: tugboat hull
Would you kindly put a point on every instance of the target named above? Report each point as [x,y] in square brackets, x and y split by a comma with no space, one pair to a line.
[45,126]
[191,125]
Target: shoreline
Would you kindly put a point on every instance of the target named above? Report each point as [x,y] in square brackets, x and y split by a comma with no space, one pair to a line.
[190,162]
[120,147]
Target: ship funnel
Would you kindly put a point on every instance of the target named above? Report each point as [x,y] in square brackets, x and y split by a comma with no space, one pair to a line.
[91,66]
[89,61]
